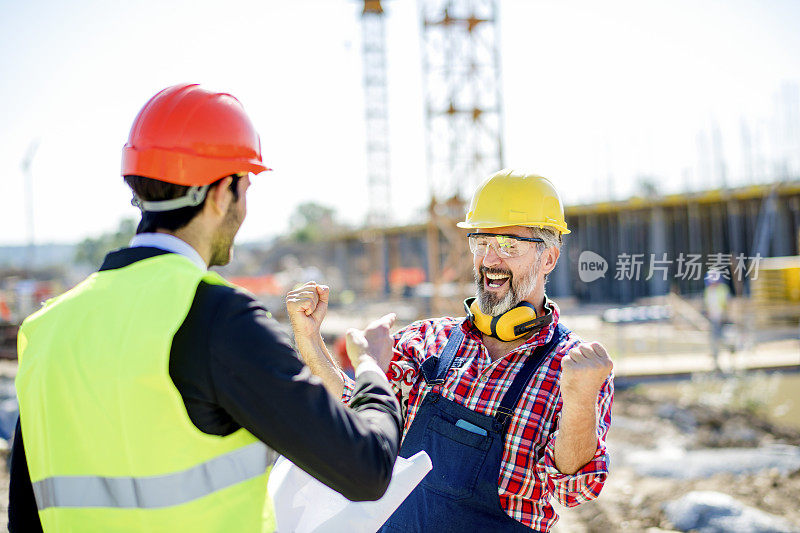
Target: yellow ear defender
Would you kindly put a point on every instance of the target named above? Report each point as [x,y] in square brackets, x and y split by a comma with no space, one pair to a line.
[511,325]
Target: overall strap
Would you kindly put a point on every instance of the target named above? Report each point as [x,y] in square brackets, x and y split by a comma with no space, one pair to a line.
[435,367]
[506,409]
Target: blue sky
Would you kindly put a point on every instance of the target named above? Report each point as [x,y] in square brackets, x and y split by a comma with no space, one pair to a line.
[595,93]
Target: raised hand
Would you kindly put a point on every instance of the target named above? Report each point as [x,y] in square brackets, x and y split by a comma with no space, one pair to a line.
[306,307]
[374,341]
[583,371]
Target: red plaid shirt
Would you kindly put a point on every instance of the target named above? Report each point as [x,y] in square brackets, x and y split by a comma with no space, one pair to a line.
[528,475]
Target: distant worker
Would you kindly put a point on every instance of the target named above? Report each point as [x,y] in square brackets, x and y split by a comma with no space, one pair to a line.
[510,405]
[150,393]
[715,297]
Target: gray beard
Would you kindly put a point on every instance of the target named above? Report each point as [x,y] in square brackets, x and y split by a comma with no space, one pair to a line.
[517,292]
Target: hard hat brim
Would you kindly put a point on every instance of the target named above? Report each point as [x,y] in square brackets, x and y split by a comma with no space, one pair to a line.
[183,169]
[494,224]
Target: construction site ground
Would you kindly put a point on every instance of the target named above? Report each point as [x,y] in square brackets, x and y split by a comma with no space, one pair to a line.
[660,432]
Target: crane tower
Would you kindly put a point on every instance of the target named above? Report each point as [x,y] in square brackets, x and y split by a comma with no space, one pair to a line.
[373,33]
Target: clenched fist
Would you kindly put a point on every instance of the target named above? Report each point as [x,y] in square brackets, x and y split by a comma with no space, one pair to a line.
[374,341]
[583,371]
[306,307]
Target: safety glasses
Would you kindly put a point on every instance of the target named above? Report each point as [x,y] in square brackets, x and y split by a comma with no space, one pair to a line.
[503,245]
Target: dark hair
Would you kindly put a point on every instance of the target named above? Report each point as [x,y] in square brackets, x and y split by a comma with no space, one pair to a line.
[151,190]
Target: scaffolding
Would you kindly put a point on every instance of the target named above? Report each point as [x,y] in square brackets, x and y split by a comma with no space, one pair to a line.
[463,96]
[464,124]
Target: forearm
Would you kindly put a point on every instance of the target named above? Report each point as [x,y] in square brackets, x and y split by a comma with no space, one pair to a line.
[281,403]
[576,442]
[365,438]
[317,357]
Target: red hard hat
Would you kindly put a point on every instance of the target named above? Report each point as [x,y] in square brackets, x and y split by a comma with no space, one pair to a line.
[187,135]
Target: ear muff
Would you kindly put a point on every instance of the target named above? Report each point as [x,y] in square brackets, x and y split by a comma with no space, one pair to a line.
[482,321]
[511,325]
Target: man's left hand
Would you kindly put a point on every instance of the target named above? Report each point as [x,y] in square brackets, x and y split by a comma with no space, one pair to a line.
[583,371]
[375,341]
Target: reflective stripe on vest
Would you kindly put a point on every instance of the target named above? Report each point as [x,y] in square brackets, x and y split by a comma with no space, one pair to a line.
[153,491]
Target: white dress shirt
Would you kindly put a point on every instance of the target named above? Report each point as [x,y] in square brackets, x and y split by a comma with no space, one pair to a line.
[170,243]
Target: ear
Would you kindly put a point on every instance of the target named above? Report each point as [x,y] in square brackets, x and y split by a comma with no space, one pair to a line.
[549,259]
[220,197]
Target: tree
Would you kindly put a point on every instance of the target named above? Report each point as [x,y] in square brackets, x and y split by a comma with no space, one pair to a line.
[647,186]
[92,250]
[311,222]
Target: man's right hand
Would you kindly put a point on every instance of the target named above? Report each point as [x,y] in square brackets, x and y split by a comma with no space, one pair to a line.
[306,307]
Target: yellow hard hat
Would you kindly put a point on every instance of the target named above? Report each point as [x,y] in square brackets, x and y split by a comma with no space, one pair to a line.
[514,198]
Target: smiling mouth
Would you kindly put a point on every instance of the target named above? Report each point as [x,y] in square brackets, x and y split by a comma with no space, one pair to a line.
[494,281]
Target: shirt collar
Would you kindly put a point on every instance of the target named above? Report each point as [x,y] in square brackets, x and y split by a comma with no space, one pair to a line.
[547,333]
[169,243]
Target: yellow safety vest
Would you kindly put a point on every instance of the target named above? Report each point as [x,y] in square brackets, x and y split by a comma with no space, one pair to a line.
[107,439]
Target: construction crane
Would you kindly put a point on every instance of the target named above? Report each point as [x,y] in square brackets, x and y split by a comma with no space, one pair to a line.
[376,116]
[373,31]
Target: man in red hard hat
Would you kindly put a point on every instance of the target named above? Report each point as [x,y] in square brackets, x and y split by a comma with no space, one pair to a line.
[151,392]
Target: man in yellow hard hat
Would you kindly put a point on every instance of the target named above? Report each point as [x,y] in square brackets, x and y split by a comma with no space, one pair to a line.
[150,393]
[511,406]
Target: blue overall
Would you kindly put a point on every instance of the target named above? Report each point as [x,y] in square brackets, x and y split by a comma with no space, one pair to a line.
[460,494]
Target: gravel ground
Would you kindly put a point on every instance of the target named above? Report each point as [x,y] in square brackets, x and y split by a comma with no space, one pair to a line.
[631,501]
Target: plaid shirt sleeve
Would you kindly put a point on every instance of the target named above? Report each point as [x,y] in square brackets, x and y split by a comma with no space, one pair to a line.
[349,386]
[586,483]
